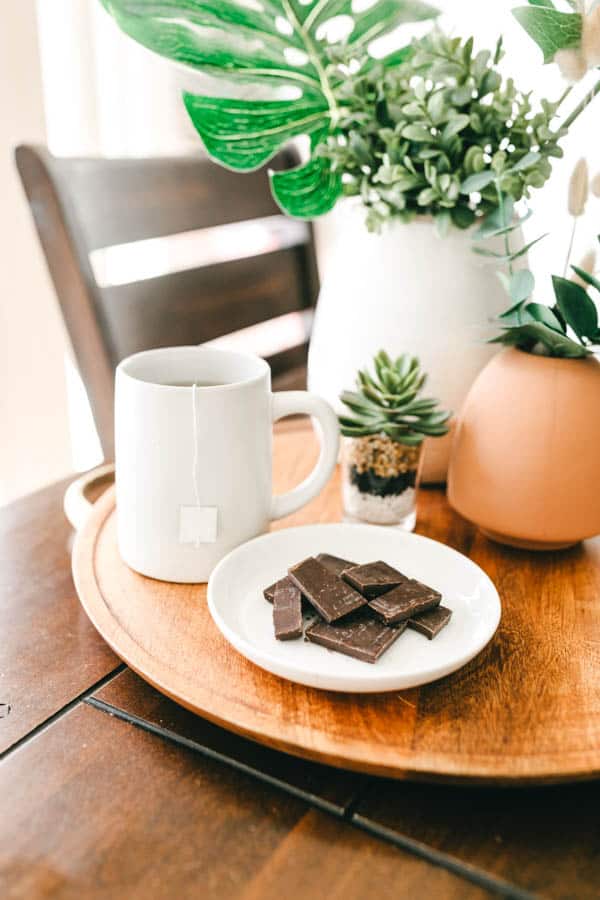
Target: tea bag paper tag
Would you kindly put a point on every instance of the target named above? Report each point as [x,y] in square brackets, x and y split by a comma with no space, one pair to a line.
[198,524]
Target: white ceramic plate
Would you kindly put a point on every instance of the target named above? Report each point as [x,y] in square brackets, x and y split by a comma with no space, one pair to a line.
[244,617]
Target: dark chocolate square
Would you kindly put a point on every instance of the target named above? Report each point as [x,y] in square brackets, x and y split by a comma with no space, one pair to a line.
[269,592]
[360,637]
[374,579]
[335,564]
[405,602]
[287,611]
[331,597]
[431,623]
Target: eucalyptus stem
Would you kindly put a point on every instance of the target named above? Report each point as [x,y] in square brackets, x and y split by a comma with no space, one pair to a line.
[582,106]
[570,250]
[504,225]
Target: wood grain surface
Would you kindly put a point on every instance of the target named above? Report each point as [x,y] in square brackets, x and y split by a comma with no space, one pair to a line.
[526,710]
[49,652]
[323,857]
[101,809]
[545,840]
[131,698]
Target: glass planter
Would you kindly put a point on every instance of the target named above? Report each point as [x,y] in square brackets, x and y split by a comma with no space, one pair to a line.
[380,479]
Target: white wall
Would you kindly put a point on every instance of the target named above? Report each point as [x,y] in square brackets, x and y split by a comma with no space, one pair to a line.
[34,444]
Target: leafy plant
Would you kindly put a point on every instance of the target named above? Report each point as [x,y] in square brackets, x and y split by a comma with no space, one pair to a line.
[277,44]
[388,402]
[404,133]
[570,327]
[569,37]
[424,136]
[537,328]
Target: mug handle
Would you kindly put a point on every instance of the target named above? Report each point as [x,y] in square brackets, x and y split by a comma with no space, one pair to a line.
[287,403]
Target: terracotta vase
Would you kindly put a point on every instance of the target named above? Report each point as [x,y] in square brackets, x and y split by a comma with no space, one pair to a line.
[525,464]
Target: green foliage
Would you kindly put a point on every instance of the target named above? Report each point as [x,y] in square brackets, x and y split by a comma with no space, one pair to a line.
[577,309]
[551,29]
[530,326]
[424,136]
[537,328]
[388,402]
[277,44]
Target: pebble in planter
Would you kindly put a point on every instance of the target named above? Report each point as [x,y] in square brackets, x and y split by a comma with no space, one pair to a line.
[384,432]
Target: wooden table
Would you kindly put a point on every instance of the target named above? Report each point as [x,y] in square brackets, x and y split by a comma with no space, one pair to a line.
[110,790]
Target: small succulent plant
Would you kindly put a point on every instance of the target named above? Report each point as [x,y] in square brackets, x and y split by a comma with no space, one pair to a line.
[388,402]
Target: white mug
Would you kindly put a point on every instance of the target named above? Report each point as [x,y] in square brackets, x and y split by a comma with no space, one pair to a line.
[193,432]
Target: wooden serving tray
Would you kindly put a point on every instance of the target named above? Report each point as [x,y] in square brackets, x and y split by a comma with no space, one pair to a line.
[526,710]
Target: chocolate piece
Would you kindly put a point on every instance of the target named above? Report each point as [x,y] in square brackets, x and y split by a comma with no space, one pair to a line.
[431,623]
[269,592]
[329,595]
[335,564]
[360,637]
[287,612]
[405,602]
[374,579]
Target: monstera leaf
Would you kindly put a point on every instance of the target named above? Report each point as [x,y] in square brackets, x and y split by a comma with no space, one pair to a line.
[266,43]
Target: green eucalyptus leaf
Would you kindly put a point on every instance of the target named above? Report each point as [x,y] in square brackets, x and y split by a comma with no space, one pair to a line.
[513,315]
[487,229]
[491,254]
[455,126]
[524,250]
[462,216]
[443,222]
[526,162]
[436,107]
[522,284]
[526,337]
[477,182]
[550,29]
[587,277]
[576,306]
[461,95]
[541,313]
[498,221]
[418,133]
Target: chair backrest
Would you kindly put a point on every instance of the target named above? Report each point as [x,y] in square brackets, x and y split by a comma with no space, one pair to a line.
[121,290]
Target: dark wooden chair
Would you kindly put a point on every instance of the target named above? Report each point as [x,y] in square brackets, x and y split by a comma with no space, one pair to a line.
[83,206]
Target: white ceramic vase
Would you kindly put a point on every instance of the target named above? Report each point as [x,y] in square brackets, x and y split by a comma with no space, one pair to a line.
[405,290]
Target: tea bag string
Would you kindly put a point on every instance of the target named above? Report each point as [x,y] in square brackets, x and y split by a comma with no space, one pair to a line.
[195,433]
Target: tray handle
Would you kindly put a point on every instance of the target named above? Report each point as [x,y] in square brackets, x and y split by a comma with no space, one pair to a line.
[82,493]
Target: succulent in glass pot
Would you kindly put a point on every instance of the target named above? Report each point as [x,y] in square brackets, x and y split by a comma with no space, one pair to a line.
[384,430]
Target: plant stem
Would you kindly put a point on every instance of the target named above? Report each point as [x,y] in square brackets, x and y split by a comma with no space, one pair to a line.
[504,225]
[564,96]
[571,242]
[581,106]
